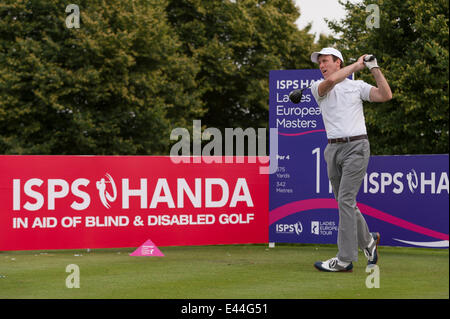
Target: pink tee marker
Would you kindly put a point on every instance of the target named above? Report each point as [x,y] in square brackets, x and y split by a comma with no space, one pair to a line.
[147,249]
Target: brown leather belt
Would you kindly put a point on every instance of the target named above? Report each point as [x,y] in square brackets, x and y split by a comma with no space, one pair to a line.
[347,139]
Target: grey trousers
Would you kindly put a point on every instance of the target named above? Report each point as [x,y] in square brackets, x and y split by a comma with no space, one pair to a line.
[346,166]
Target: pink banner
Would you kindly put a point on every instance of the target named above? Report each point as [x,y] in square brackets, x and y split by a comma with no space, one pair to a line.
[67,202]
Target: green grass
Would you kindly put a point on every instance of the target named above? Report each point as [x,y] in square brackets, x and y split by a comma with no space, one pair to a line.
[222,272]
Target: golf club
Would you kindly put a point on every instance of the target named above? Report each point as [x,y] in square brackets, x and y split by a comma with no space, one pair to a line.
[369,57]
[296,95]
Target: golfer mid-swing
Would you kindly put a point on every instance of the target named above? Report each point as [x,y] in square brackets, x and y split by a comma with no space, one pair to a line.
[348,151]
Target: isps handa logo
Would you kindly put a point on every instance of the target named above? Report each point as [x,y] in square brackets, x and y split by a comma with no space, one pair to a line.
[416,182]
[103,186]
[34,194]
[413,182]
[296,228]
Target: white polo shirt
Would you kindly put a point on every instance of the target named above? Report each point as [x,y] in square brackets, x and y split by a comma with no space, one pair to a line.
[342,107]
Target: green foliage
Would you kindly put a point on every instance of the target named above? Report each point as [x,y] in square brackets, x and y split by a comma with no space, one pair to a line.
[135,70]
[236,44]
[116,85]
[411,46]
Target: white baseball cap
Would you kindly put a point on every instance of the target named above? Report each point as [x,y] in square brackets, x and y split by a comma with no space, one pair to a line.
[326,51]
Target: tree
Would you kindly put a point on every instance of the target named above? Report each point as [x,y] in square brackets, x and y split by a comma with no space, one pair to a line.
[116,85]
[411,46]
[236,44]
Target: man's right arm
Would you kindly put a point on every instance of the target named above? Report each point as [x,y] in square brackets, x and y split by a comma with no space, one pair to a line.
[326,85]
